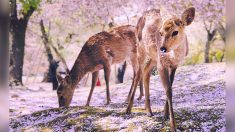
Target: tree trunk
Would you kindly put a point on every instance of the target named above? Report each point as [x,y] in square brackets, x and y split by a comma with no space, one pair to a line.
[207,52]
[121,72]
[18,30]
[50,75]
[210,36]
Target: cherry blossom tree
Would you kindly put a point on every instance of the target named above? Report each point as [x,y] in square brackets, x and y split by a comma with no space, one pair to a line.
[74,21]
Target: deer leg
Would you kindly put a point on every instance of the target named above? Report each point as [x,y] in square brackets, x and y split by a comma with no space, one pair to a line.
[130,91]
[94,80]
[147,74]
[164,75]
[107,69]
[136,81]
[166,107]
[137,74]
[141,89]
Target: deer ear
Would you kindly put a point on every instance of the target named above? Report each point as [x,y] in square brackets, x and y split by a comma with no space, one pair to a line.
[68,79]
[188,16]
[59,78]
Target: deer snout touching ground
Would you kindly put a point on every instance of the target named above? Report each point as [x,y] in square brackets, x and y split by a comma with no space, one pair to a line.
[164,45]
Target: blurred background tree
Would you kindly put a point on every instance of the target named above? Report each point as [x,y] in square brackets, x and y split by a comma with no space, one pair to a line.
[19,17]
[72,22]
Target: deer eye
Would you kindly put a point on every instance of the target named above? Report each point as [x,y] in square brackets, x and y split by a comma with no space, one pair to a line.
[174,33]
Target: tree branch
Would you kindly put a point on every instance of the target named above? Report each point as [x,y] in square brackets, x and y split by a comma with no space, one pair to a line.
[205,25]
[45,38]
[213,32]
[61,58]
[222,31]
[29,13]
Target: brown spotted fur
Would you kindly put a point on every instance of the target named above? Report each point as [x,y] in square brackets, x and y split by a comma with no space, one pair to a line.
[99,52]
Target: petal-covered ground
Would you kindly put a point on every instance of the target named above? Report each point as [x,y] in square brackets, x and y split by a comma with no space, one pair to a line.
[198,100]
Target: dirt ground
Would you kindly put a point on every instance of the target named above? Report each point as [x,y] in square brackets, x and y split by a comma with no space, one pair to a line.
[198,100]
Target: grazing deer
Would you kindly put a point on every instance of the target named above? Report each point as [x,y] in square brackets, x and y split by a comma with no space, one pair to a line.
[99,52]
[165,46]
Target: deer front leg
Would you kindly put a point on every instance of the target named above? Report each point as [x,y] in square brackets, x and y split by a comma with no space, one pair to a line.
[166,107]
[167,85]
[141,89]
[94,80]
[146,78]
[107,69]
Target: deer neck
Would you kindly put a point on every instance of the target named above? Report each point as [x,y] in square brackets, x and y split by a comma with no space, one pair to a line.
[78,70]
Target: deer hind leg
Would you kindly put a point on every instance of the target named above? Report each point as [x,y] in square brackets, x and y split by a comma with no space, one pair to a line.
[131,89]
[164,75]
[94,80]
[166,107]
[136,80]
[137,76]
[135,67]
[107,70]
[141,89]
[146,78]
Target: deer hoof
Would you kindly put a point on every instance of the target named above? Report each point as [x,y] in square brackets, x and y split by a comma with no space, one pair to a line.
[139,98]
[128,110]
[173,130]
[150,114]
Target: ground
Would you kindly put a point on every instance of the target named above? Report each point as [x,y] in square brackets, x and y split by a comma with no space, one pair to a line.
[198,100]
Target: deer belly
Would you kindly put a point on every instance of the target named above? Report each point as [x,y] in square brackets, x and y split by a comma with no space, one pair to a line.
[119,55]
[97,68]
[119,58]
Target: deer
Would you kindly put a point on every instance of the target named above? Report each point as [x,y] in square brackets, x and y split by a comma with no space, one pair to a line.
[164,45]
[100,52]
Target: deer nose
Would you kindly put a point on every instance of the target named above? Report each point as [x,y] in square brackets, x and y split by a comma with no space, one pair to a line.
[163,49]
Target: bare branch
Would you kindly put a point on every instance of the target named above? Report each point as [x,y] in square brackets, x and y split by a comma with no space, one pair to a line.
[60,57]
[205,25]
[222,31]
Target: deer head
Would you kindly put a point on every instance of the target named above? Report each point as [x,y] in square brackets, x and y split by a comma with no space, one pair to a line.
[172,30]
[64,91]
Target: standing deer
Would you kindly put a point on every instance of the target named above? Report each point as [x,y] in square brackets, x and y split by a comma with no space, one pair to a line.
[165,46]
[99,52]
